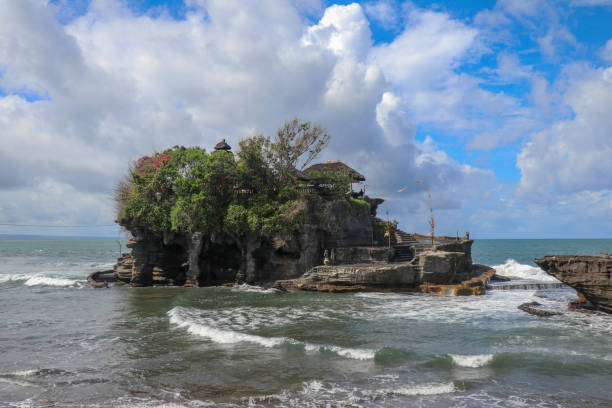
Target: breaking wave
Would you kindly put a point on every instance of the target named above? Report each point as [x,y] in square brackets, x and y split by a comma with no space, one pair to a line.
[221,336]
[513,269]
[245,287]
[228,336]
[472,361]
[40,280]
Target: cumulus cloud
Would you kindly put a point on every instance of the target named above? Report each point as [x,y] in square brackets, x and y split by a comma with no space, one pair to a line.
[83,92]
[572,155]
[111,86]
[387,13]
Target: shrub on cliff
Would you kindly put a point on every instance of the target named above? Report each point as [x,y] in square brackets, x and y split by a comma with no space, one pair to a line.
[187,189]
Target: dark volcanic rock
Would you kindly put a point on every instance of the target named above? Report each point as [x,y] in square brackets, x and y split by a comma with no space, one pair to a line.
[199,259]
[532,308]
[590,275]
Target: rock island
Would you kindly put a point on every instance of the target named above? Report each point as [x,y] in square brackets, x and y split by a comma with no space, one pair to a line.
[199,219]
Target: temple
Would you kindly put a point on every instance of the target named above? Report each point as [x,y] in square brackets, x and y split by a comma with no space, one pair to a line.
[340,244]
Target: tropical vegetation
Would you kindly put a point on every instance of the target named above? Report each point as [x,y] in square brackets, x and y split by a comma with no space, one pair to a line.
[258,189]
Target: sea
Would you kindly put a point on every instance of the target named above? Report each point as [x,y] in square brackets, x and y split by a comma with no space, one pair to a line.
[65,344]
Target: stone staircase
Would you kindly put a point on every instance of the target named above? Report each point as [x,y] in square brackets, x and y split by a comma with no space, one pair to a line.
[403,253]
[404,246]
[400,237]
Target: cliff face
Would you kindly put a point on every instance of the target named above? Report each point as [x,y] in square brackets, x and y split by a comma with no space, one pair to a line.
[590,275]
[201,258]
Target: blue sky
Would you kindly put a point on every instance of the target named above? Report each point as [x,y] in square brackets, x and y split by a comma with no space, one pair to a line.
[500,107]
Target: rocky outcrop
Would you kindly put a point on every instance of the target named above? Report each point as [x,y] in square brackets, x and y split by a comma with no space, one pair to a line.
[533,308]
[476,285]
[590,275]
[200,258]
[123,268]
[339,228]
[100,279]
[343,278]
[431,272]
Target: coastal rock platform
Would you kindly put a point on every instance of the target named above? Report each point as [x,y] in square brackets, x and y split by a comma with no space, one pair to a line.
[590,275]
[396,277]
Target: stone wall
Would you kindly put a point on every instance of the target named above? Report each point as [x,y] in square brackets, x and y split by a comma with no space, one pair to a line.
[355,255]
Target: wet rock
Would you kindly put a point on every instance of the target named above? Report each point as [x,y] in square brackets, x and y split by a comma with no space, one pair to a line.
[123,268]
[471,287]
[100,279]
[345,278]
[590,275]
[444,267]
[406,276]
[532,308]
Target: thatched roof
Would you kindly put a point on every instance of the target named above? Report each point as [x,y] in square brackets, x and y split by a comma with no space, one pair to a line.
[222,146]
[337,166]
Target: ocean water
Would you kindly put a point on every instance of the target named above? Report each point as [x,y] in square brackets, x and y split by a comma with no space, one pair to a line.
[65,344]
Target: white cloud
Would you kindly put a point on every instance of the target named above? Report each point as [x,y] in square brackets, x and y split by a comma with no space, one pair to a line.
[572,155]
[430,46]
[115,86]
[126,85]
[384,12]
[606,51]
[395,122]
[343,30]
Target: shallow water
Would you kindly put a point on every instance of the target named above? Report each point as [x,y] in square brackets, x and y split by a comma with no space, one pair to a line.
[66,344]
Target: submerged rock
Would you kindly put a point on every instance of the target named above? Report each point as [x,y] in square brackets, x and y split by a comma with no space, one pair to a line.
[533,309]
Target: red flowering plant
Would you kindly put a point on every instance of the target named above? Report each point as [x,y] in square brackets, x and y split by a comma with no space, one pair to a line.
[149,165]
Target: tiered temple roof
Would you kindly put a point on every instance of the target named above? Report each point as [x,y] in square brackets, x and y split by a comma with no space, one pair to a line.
[337,166]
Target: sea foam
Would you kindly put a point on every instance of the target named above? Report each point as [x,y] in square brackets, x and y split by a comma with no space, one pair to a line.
[245,287]
[423,389]
[39,280]
[514,269]
[472,361]
[183,318]
[217,335]
[48,281]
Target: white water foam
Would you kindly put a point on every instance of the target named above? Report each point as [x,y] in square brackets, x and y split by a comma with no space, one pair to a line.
[203,327]
[514,269]
[48,281]
[245,287]
[353,353]
[312,387]
[40,280]
[25,373]
[472,361]
[220,335]
[423,389]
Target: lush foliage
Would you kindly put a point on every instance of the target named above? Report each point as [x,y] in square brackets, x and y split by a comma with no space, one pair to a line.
[256,190]
[379,231]
[360,206]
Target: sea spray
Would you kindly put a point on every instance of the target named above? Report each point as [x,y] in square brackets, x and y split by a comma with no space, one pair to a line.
[472,361]
[513,269]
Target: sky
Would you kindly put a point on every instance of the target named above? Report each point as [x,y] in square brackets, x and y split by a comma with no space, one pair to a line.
[501,109]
